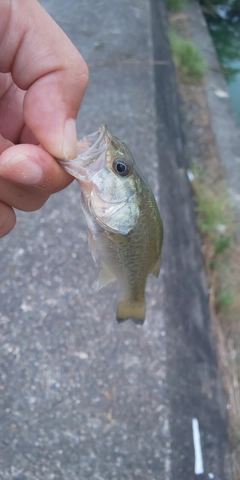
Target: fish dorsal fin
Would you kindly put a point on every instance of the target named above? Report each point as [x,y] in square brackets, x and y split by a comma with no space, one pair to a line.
[156,269]
[105,277]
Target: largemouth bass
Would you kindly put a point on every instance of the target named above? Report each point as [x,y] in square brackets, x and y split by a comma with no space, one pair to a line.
[124,224]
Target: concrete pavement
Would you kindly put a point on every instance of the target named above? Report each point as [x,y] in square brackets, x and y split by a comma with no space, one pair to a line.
[82,397]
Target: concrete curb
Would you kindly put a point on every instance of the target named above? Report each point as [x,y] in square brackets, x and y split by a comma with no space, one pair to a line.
[224,125]
[196,388]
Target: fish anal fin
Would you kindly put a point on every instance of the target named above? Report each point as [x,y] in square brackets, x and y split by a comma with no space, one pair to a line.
[134,310]
[92,245]
[105,277]
[156,269]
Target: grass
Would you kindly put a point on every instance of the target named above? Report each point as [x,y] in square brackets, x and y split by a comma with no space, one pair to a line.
[215,215]
[176,5]
[215,218]
[187,58]
[224,300]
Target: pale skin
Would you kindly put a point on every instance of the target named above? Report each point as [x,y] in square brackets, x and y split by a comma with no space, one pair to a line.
[43,79]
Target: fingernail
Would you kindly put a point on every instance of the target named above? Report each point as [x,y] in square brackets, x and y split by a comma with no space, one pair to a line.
[21,169]
[69,139]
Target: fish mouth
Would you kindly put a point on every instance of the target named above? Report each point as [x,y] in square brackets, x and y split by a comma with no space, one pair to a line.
[90,155]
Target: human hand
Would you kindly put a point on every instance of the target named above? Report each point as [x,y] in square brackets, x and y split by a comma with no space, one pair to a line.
[42,82]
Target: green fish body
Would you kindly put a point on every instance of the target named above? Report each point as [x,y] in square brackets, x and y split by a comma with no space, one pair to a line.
[124,223]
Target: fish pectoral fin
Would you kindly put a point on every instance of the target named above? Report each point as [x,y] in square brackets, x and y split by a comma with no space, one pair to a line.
[156,269]
[105,277]
[92,245]
[134,310]
[118,238]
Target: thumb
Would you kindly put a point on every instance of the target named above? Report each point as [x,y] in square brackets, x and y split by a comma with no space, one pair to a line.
[45,63]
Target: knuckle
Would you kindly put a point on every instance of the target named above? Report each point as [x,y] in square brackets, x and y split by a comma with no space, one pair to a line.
[7,219]
[33,200]
[85,74]
[82,72]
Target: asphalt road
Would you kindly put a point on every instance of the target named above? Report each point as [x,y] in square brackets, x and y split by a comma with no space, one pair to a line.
[82,397]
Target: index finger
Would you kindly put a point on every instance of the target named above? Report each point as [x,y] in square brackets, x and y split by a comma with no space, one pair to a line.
[43,61]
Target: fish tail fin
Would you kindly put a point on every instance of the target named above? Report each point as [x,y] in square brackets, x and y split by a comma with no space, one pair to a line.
[134,310]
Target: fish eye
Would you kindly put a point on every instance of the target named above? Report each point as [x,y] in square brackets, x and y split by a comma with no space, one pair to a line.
[121,167]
